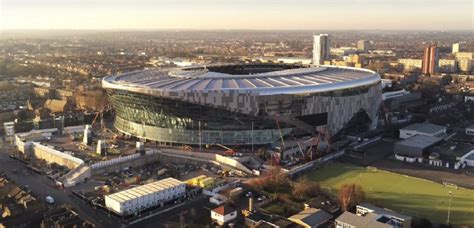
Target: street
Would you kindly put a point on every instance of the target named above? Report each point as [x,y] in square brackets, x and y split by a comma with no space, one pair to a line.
[41,186]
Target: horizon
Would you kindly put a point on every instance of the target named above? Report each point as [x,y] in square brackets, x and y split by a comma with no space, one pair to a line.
[426,15]
[236,29]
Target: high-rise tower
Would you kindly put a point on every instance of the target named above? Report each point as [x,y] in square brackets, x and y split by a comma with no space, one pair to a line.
[363,45]
[457,47]
[429,65]
[321,48]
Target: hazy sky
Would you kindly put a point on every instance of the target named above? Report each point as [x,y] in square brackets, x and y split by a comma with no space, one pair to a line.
[237,14]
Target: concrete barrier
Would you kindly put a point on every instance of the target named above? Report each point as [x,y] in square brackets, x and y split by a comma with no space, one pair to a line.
[51,155]
[208,158]
[134,160]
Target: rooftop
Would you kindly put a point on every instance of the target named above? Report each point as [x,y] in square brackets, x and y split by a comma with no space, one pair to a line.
[419,141]
[369,220]
[452,150]
[142,190]
[381,211]
[223,210]
[312,216]
[254,78]
[427,128]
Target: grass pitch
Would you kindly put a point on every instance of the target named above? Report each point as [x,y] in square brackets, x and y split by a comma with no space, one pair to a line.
[408,195]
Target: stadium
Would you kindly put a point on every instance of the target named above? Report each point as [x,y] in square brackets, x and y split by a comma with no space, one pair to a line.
[242,104]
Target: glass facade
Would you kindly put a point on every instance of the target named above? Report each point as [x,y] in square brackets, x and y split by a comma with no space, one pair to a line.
[169,120]
[184,119]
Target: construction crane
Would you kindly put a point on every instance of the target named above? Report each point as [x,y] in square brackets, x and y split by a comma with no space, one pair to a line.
[321,133]
[300,149]
[95,118]
[228,151]
[103,106]
[279,130]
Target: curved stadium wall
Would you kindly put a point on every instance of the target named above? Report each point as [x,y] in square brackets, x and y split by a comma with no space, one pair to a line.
[239,104]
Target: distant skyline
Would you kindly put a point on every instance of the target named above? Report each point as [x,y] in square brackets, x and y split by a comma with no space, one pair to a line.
[238,14]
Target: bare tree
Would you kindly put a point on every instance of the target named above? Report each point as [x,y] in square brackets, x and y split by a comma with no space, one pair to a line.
[350,195]
[305,188]
[274,180]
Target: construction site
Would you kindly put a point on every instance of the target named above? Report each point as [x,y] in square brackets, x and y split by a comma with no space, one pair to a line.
[102,161]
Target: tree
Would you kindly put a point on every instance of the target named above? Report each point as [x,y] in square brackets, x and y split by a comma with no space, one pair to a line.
[350,195]
[273,181]
[305,188]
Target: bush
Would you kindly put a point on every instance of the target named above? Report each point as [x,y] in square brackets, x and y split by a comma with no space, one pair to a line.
[305,188]
[274,181]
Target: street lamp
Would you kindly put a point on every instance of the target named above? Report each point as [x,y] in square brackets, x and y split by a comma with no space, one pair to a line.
[449,206]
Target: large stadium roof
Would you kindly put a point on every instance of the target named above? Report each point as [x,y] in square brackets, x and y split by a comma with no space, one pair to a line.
[273,79]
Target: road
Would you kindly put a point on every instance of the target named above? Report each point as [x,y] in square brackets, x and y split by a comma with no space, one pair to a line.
[41,186]
[171,218]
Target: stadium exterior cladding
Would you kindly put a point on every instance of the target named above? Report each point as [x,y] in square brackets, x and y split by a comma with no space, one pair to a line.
[241,103]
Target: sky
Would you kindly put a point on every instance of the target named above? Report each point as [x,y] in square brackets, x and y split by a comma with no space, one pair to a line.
[238,14]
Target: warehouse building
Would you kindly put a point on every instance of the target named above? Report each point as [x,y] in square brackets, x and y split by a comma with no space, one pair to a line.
[414,148]
[404,101]
[427,129]
[453,155]
[143,197]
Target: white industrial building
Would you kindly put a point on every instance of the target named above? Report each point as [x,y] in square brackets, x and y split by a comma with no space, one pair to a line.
[394,94]
[140,198]
[427,129]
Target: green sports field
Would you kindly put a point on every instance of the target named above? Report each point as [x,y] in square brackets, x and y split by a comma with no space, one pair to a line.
[404,194]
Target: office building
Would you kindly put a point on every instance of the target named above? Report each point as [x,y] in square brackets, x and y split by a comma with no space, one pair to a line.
[410,64]
[457,47]
[343,51]
[465,65]
[238,104]
[447,66]
[465,61]
[430,60]
[363,45]
[464,55]
[321,48]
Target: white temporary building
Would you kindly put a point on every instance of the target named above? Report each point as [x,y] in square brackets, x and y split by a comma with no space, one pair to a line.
[142,197]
